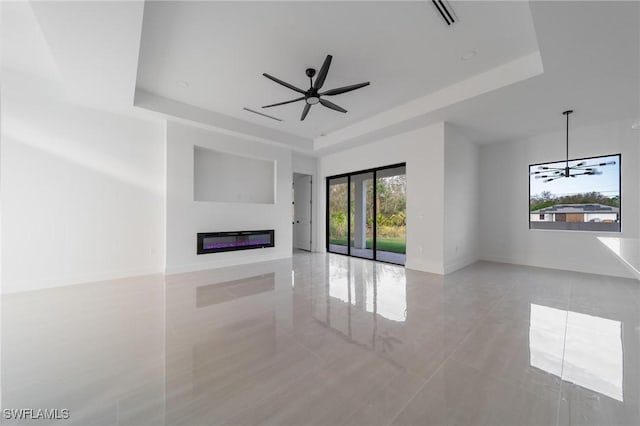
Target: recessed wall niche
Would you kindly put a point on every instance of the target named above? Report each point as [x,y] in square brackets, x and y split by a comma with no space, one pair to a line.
[228,178]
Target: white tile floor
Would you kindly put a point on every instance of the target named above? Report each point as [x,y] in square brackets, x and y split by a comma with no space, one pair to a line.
[329,340]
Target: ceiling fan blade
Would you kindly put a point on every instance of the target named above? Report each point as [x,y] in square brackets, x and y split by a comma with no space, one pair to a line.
[344,89]
[284,83]
[322,75]
[305,111]
[283,103]
[331,105]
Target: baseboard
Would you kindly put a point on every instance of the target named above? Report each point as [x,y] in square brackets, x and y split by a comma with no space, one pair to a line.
[459,264]
[87,279]
[424,267]
[561,267]
[215,264]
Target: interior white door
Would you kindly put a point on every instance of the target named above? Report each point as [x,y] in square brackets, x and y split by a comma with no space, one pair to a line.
[302,212]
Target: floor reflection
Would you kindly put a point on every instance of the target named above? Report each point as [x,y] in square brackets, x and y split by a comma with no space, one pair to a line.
[579,348]
[325,339]
[361,301]
[377,288]
[223,292]
[341,283]
[386,293]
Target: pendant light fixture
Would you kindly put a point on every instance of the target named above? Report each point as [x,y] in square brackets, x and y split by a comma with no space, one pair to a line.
[582,168]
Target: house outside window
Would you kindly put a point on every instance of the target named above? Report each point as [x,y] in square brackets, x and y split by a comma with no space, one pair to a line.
[588,200]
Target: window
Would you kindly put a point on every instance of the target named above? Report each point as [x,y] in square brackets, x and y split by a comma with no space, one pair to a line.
[587,200]
[366,214]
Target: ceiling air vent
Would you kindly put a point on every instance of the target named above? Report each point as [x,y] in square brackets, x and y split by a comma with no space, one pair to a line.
[264,115]
[445,10]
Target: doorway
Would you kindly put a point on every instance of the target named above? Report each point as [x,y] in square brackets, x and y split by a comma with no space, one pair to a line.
[302,211]
[366,214]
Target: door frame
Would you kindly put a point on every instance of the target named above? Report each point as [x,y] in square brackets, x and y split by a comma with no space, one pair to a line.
[310,209]
[375,207]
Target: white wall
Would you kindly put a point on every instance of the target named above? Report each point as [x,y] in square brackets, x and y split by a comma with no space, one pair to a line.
[186,217]
[423,151]
[504,194]
[303,164]
[83,190]
[232,178]
[461,200]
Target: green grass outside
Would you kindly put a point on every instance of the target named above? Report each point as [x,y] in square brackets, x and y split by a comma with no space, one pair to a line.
[394,245]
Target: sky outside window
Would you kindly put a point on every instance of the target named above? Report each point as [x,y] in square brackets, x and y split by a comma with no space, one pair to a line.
[607,183]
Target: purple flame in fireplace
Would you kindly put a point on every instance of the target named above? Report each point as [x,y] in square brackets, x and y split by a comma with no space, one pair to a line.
[235,244]
[213,242]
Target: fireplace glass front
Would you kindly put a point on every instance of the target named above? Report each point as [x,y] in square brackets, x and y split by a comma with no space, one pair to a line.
[214,242]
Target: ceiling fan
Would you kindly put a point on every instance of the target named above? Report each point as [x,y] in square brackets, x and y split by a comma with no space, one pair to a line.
[312,96]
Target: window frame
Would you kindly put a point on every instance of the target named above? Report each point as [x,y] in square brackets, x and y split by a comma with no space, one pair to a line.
[619,155]
[348,175]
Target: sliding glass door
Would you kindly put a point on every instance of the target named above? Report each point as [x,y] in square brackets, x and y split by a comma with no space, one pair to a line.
[337,215]
[361,215]
[391,223]
[366,214]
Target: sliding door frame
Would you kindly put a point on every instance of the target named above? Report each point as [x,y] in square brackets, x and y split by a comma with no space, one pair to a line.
[375,208]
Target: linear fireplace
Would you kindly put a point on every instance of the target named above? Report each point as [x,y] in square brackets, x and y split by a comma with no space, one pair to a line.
[215,242]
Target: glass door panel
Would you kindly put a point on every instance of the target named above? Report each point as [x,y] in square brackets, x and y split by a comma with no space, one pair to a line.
[361,215]
[337,221]
[391,215]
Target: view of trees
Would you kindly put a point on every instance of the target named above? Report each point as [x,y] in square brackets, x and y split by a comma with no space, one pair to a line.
[390,207]
[338,212]
[547,199]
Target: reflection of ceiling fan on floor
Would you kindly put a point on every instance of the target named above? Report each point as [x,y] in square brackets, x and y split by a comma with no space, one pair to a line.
[312,96]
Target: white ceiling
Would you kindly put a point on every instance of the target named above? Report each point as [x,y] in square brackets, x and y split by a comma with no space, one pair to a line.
[24,47]
[403,48]
[584,56]
[590,52]
[591,56]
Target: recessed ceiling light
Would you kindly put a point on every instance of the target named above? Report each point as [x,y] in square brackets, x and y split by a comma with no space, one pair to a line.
[183,84]
[636,125]
[469,55]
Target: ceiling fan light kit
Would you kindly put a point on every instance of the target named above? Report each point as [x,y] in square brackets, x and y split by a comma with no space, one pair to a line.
[581,169]
[313,96]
